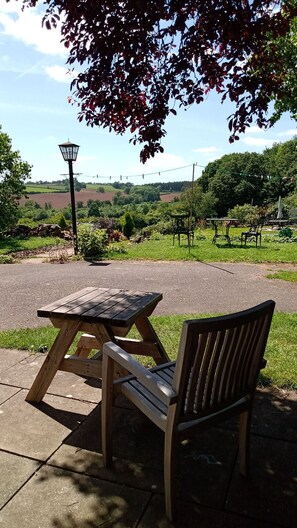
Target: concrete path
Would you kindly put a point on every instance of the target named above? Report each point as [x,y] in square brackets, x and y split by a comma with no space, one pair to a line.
[187,287]
[52,474]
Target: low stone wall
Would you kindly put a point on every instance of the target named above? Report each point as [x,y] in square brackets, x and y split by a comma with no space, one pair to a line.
[43,230]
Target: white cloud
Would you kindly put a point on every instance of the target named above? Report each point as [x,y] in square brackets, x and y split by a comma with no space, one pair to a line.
[27,27]
[290,132]
[160,162]
[255,130]
[60,74]
[207,150]
[258,142]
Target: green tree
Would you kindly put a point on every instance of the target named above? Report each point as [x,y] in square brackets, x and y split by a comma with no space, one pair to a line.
[235,179]
[198,203]
[128,224]
[94,208]
[13,174]
[281,167]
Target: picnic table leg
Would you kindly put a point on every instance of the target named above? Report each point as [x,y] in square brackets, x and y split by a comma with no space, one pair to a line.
[148,333]
[52,361]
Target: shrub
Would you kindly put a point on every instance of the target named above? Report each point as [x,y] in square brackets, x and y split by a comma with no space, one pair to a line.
[128,225]
[92,243]
[246,214]
[286,232]
[62,222]
[6,259]
[41,215]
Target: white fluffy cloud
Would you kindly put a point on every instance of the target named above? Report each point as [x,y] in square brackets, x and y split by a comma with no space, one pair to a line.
[258,142]
[59,73]
[255,130]
[288,133]
[207,150]
[27,27]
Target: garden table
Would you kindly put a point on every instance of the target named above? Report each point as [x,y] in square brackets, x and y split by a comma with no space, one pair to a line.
[225,223]
[278,223]
[106,315]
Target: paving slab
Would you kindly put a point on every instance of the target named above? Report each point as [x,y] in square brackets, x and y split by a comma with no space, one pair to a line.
[9,358]
[51,457]
[191,515]
[138,457]
[269,494]
[274,414]
[37,431]
[17,470]
[64,384]
[6,392]
[60,499]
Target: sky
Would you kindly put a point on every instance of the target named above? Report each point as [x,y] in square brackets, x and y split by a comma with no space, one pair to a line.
[36,114]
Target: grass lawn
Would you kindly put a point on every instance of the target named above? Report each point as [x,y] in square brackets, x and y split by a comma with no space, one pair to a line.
[11,245]
[271,250]
[160,247]
[290,276]
[281,369]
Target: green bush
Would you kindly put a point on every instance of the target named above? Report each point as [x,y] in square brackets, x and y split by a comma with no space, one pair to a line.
[246,214]
[92,243]
[128,225]
[286,232]
[62,222]
[6,259]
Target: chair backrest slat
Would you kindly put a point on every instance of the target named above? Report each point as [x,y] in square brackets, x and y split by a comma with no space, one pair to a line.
[219,359]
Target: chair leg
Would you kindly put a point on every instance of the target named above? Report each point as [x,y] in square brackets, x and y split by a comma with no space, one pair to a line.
[170,444]
[106,410]
[169,471]
[244,441]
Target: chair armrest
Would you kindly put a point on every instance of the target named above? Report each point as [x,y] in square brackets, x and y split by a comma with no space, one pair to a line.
[151,381]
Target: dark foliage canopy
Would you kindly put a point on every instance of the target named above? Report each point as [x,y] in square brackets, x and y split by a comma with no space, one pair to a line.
[139,60]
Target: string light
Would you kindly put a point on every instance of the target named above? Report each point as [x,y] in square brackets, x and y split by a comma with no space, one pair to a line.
[144,175]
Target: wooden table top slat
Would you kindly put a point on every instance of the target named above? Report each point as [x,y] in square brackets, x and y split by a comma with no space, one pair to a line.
[128,307]
[94,305]
[74,301]
[97,298]
[124,303]
[73,297]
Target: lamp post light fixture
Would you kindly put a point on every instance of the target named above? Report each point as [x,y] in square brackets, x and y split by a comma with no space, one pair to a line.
[69,152]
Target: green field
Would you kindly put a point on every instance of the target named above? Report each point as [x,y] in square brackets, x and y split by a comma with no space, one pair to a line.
[44,188]
[95,186]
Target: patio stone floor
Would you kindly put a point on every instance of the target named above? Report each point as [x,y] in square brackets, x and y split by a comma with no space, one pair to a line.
[52,474]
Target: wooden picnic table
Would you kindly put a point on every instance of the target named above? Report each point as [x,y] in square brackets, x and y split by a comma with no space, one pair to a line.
[102,314]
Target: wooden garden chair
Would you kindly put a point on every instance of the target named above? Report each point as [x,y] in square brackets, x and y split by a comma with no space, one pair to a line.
[214,377]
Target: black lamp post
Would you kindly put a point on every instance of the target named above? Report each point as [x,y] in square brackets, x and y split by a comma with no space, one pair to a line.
[69,152]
